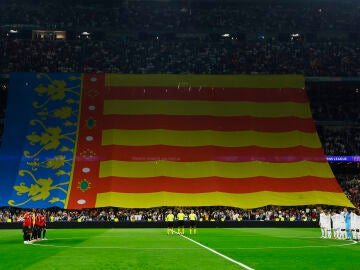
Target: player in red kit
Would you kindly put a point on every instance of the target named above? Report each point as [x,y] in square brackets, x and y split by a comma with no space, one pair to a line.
[32,226]
[38,224]
[27,227]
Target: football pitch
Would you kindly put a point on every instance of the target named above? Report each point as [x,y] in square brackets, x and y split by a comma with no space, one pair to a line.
[215,248]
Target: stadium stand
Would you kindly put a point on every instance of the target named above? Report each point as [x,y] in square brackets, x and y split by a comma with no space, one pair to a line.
[188,37]
[214,214]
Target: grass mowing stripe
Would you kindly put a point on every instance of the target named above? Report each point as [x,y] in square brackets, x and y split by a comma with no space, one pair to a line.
[113,247]
[217,253]
[36,243]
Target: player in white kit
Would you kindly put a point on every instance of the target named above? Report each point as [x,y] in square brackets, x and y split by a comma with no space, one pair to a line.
[328,224]
[322,223]
[342,225]
[325,224]
[355,222]
[335,218]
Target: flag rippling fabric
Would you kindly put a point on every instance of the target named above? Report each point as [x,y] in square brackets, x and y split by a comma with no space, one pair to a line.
[194,140]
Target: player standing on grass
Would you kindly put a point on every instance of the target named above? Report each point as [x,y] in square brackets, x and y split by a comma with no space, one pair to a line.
[342,226]
[169,219]
[335,218]
[357,225]
[322,223]
[37,229]
[180,221]
[327,224]
[353,225]
[355,219]
[32,218]
[192,220]
[27,227]
[347,223]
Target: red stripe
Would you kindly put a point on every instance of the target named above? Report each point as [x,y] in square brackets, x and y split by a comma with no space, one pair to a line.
[234,123]
[207,153]
[206,93]
[87,150]
[212,184]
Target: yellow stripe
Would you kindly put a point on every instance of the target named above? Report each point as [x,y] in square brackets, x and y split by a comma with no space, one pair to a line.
[244,81]
[209,137]
[188,107]
[247,200]
[213,168]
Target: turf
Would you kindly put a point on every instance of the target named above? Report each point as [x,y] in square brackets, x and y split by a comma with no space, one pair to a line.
[257,248]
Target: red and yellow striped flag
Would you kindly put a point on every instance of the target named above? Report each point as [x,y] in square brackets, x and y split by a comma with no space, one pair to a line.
[199,140]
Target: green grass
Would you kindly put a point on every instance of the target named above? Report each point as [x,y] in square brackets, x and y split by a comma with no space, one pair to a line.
[258,248]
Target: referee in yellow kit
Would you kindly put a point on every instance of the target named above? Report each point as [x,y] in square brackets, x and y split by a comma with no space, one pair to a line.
[192,219]
[180,221]
[169,219]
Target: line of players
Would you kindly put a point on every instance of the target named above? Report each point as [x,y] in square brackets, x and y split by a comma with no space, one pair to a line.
[34,226]
[169,219]
[343,225]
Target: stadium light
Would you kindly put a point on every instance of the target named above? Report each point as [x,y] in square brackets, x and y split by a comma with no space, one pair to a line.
[84,35]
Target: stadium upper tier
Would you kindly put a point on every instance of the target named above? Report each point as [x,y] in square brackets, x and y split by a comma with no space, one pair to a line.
[185,56]
[262,17]
[315,38]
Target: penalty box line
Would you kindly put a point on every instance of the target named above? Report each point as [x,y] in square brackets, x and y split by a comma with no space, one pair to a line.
[217,253]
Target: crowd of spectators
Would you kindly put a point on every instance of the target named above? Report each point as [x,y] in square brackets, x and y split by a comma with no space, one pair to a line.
[335,102]
[350,183]
[206,214]
[184,56]
[266,37]
[242,16]
[340,141]
[336,113]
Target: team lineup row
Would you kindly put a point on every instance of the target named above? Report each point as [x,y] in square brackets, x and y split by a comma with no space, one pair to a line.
[340,224]
[34,226]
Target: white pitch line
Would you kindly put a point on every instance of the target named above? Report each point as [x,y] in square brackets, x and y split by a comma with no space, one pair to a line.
[218,253]
[250,248]
[112,247]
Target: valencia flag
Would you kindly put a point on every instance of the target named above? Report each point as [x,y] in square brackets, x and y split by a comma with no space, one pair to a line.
[198,140]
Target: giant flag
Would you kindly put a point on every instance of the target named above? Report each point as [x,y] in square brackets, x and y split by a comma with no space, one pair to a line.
[138,141]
